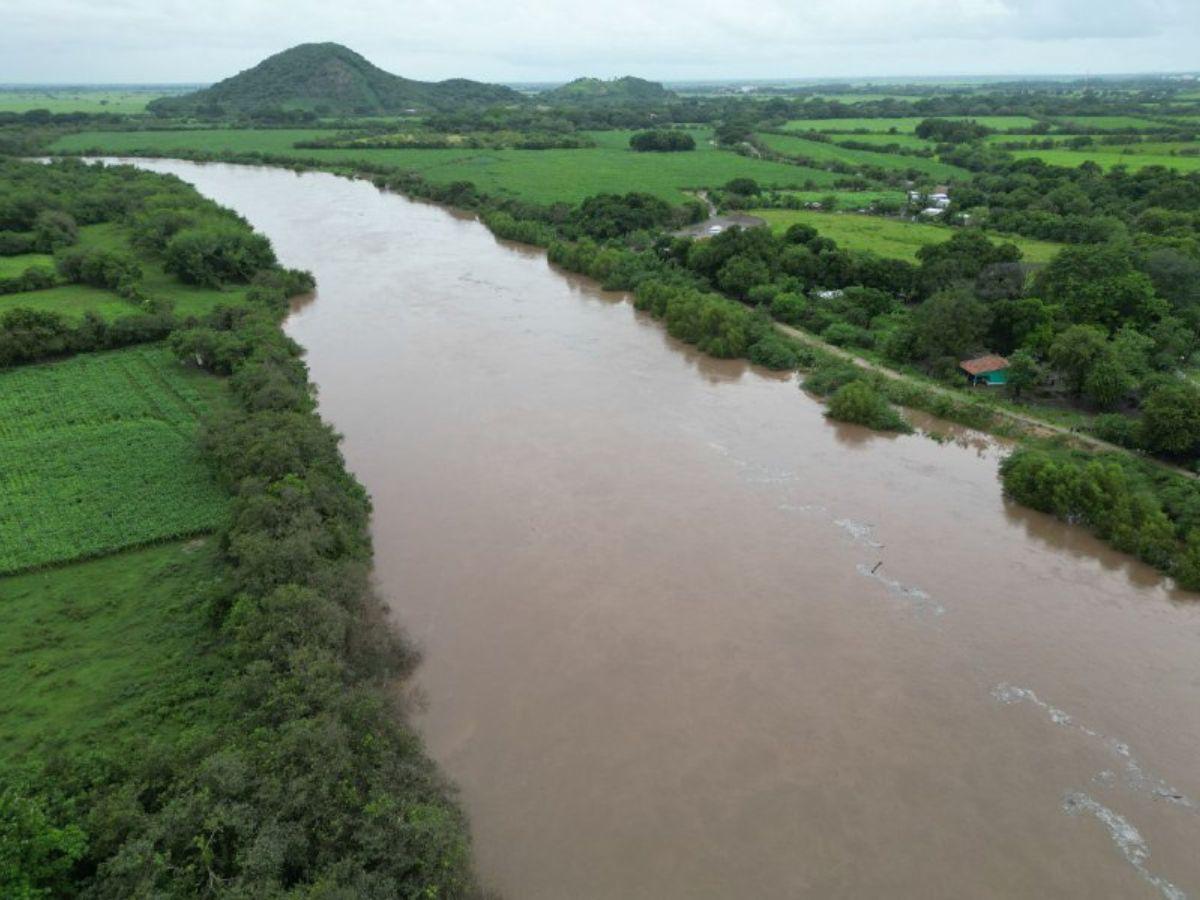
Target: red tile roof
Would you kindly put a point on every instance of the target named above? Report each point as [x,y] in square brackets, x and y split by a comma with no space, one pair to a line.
[982,364]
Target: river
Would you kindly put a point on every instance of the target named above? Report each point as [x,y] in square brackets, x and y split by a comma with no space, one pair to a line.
[660,660]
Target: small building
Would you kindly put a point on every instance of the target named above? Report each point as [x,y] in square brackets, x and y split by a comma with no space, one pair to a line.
[987,370]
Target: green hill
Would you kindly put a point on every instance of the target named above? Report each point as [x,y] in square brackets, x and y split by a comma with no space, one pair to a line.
[623,91]
[332,80]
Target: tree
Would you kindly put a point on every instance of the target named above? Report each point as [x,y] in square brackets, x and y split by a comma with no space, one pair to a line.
[1024,373]
[1107,381]
[746,186]
[1075,351]
[666,140]
[951,323]
[36,856]
[1171,420]
[742,273]
[1098,285]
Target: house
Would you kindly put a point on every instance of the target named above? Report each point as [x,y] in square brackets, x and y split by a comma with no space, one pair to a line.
[990,369]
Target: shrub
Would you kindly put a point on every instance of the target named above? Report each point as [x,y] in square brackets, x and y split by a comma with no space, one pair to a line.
[210,255]
[858,402]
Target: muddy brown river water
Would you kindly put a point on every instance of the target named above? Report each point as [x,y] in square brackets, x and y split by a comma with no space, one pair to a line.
[657,661]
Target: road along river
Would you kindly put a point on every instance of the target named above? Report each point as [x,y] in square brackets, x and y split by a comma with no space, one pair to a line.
[660,658]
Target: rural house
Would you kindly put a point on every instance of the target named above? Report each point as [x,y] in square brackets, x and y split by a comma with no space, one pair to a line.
[990,369]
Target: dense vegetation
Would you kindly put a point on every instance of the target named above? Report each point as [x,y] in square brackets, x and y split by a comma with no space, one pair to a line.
[625,91]
[237,736]
[327,79]
[662,141]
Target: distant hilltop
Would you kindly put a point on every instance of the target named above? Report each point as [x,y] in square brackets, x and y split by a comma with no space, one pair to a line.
[627,90]
[329,79]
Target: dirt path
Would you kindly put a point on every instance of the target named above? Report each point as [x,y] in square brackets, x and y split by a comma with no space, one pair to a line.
[701,229]
[1028,424]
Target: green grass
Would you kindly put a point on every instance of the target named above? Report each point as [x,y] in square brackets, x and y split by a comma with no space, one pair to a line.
[73,300]
[1108,157]
[797,146]
[1107,123]
[888,237]
[65,100]
[105,652]
[850,199]
[904,125]
[542,176]
[883,138]
[11,266]
[100,454]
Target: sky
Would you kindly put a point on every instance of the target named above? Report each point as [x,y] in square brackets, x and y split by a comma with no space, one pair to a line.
[186,41]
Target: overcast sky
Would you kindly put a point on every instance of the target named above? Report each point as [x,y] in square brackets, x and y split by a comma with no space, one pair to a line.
[526,40]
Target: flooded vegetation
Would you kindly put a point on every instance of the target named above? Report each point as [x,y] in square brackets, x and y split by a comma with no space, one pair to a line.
[684,636]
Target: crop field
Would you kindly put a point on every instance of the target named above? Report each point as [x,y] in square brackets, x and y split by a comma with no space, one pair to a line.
[11,266]
[104,650]
[1107,123]
[541,176]
[904,125]
[64,100]
[1108,157]
[798,146]
[850,199]
[883,138]
[99,455]
[889,237]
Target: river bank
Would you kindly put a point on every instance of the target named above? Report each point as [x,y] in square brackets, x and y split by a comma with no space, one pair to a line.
[656,658]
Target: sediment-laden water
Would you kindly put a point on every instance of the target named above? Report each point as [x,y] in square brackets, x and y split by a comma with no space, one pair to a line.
[685,638]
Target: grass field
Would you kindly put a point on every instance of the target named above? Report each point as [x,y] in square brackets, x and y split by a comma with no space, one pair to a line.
[104,652]
[99,454]
[11,266]
[888,237]
[1106,158]
[850,199]
[798,146]
[71,301]
[1106,123]
[65,100]
[542,176]
[904,125]
[882,138]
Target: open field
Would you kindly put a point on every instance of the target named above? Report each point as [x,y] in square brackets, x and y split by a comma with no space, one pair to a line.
[882,138]
[100,454]
[105,652]
[65,100]
[1106,123]
[11,266]
[850,199]
[888,237]
[71,301]
[904,125]
[798,146]
[541,176]
[1106,158]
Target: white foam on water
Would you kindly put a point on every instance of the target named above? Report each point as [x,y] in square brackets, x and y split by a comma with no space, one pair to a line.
[912,595]
[861,532]
[1135,776]
[1127,838]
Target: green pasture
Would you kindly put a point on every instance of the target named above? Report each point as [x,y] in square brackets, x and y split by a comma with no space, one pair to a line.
[1108,157]
[66,100]
[541,176]
[106,651]
[895,238]
[818,150]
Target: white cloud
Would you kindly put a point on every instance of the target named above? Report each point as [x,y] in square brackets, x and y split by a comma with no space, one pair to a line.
[181,40]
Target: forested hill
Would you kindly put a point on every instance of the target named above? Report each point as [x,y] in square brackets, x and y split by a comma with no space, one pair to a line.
[622,91]
[331,80]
